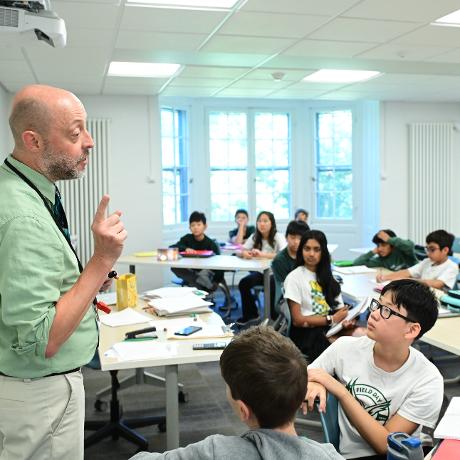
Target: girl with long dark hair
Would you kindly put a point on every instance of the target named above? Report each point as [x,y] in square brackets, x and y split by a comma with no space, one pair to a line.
[313,295]
[265,243]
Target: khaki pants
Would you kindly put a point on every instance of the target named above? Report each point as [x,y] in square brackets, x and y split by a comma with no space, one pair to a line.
[42,418]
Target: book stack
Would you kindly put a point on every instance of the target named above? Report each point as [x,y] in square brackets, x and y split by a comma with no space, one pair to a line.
[177,301]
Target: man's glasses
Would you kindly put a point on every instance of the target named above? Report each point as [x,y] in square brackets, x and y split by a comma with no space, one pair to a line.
[386,312]
[431,249]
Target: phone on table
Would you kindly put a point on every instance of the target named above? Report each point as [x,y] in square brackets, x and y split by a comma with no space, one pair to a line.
[188,330]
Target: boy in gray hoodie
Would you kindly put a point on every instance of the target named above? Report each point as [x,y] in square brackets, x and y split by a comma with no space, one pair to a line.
[266,381]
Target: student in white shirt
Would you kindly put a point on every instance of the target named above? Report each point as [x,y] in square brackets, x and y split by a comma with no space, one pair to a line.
[436,271]
[313,295]
[382,384]
[265,243]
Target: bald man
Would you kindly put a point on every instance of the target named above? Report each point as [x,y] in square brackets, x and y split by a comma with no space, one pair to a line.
[47,324]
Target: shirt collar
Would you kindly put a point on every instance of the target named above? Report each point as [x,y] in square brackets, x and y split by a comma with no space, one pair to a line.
[46,187]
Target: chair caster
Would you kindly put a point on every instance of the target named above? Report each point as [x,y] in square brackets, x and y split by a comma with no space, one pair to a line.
[183,396]
[162,427]
[100,406]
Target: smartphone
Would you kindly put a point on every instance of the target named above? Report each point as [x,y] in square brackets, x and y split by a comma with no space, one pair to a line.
[188,330]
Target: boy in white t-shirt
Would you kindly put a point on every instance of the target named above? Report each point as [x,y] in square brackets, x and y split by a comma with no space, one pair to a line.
[437,270]
[382,384]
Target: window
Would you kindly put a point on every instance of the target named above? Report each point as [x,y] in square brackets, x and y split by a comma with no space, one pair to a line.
[272,153]
[334,194]
[228,162]
[237,161]
[174,157]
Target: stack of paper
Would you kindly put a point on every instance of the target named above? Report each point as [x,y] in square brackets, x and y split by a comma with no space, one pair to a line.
[173,291]
[124,318]
[358,269]
[190,303]
[449,426]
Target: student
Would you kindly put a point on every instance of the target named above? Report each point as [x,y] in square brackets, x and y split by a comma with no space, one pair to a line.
[265,377]
[243,231]
[383,384]
[391,252]
[197,240]
[313,295]
[285,260]
[265,243]
[301,215]
[436,271]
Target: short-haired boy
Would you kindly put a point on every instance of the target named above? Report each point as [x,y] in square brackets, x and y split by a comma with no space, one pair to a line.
[390,252]
[266,377]
[437,270]
[193,241]
[243,230]
[301,215]
[382,384]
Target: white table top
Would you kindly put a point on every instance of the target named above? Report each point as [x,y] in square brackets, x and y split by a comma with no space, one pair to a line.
[185,353]
[221,262]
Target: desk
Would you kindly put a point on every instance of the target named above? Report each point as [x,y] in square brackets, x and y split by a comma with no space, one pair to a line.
[221,262]
[185,355]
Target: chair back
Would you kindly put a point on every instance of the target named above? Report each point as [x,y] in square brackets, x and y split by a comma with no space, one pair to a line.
[283,322]
[330,421]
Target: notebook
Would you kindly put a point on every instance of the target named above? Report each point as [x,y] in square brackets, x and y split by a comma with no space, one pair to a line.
[449,426]
[352,314]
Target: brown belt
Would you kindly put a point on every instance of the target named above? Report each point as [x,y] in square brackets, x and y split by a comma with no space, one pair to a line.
[49,375]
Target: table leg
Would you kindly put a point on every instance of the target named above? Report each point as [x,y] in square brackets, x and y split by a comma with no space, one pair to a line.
[267,293]
[132,269]
[172,408]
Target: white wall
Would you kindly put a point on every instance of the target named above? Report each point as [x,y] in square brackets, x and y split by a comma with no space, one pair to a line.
[395,174]
[5,138]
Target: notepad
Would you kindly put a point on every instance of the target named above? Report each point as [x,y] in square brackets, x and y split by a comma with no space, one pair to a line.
[173,291]
[352,314]
[449,426]
[355,270]
[179,305]
[133,351]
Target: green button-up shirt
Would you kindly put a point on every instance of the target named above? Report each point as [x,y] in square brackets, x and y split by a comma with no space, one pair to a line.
[37,267]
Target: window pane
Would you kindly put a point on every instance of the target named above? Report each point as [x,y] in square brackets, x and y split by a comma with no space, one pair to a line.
[168,183]
[228,192]
[272,192]
[218,153]
[218,125]
[166,123]
[263,153]
[169,216]
[280,126]
[167,152]
[334,157]
[237,153]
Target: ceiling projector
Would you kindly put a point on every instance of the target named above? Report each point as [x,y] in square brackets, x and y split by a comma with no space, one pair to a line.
[22,21]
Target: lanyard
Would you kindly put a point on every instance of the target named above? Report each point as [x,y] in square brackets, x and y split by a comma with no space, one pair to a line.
[48,207]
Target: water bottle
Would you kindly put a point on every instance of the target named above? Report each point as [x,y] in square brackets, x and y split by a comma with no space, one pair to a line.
[401,446]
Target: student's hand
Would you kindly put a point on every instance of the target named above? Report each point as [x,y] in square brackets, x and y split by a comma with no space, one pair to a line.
[340,315]
[256,253]
[375,251]
[327,381]
[380,277]
[106,285]
[383,236]
[246,254]
[349,324]
[314,390]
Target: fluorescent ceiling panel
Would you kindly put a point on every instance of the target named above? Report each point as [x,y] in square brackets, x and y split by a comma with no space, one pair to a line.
[450,20]
[142,69]
[186,4]
[340,76]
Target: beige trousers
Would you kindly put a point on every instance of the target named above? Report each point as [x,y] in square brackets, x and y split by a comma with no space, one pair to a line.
[42,418]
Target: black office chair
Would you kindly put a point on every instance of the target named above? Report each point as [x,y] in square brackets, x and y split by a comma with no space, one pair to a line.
[116,426]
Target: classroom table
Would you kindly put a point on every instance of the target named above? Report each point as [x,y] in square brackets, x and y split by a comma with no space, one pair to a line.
[185,355]
[220,262]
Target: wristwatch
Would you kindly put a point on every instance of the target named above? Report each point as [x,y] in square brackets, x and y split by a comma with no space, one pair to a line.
[329,319]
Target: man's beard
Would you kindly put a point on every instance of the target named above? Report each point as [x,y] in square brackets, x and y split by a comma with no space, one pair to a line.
[59,166]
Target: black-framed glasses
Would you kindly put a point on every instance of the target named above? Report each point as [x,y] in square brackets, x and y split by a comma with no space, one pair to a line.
[431,249]
[386,312]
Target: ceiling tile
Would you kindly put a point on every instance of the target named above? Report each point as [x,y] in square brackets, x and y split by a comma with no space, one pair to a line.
[323,7]
[213,72]
[407,10]
[170,20]
[451,56]
[362,30]
[289,93]
[271,24]
[400,52]
[138,86]
[9,70]
[11,53]
[324,48]
[141,40]
[247,93]
[262,84]
[289,74]
[188,91]
[234,44]
[432,35]
[89,38]
[201,82]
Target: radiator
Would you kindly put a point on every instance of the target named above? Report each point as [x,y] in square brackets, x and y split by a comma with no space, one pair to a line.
[81,197]
[430,178]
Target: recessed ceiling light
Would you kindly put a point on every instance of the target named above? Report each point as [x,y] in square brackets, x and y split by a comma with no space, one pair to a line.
[186,4]
[450,20]
[340,76]
[142,69]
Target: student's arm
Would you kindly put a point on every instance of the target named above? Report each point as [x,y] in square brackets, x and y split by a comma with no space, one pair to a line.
[299,320]
[368,259]
[239,237]
[405,246]
[181,244]
[371,430]
[263,255]
[437,284]
[399,275]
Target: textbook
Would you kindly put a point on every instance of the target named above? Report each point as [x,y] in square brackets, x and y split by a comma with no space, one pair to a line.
[190,303]
[352,314]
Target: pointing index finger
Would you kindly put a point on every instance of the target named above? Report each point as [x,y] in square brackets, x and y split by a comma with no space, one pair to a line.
[101,211]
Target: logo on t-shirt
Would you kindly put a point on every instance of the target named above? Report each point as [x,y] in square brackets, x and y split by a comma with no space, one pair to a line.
[319,304]
[371,399]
